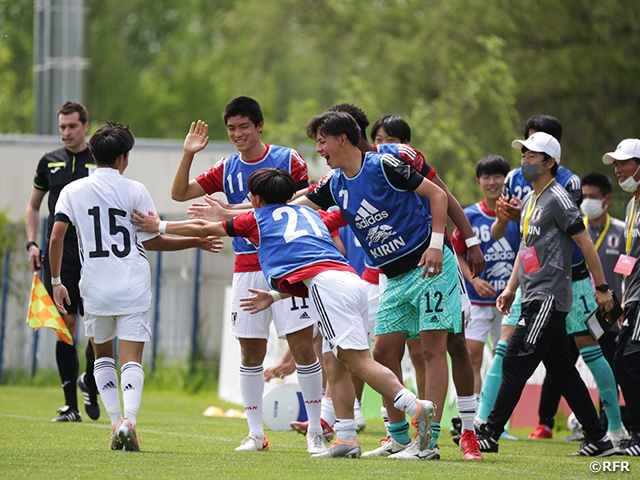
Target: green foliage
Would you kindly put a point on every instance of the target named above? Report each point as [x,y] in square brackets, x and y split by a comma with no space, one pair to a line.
[465,73]
[16,66]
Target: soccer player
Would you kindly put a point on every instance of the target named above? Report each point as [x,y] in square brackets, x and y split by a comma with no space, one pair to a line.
[456,346]
[244,121]
[56,170]
[550,222]
[626,362]
[499,255]
[299,258]
[115,283]
[381,198]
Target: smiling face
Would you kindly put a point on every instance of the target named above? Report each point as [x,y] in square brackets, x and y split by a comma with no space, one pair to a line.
[73,132]
[245,135]
[625,169]
[491,185]
[329,147]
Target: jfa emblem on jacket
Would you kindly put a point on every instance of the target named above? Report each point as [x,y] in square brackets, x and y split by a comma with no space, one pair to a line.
[613,241]
[536,214]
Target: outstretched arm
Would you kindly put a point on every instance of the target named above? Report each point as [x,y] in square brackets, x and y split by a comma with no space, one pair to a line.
[184,188]
[172,244]
[187,228]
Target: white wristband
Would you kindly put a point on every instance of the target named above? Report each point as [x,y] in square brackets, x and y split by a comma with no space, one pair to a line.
[275,295]
[472,241]
[437,240]
[162,227]
[55,281]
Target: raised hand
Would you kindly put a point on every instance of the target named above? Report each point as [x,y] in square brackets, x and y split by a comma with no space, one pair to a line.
[197,138]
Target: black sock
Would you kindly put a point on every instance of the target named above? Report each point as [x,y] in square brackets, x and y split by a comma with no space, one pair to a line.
[67,360]
[89,379]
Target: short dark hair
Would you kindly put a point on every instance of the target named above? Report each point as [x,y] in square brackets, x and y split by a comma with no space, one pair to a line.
[394,125]
[492,165]
[599,180]
[544,123]
[71,107]
[109,142]
[243,107]
[272,185]
[356,112]
[334,123]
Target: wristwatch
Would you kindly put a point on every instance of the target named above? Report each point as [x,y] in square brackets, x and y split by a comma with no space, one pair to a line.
[602,288]
[31,244]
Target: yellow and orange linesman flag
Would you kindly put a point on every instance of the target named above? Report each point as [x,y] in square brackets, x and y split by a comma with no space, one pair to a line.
[43,312]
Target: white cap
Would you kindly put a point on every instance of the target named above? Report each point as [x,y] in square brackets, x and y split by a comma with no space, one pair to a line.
[626,150]
[540,142]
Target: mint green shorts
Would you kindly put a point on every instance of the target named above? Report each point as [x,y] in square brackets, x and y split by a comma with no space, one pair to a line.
[584,302]
[410,303]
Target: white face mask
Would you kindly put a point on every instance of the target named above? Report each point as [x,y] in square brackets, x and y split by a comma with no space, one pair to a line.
[592,207]
[630,185]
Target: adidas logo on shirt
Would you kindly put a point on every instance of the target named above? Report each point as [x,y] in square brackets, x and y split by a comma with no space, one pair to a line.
[109,385]
[368,215]
[305,316]
[521,323]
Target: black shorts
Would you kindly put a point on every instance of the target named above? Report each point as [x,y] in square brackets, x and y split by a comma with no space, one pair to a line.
[69,274]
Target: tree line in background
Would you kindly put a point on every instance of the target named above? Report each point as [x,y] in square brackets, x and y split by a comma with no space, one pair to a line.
[465,74]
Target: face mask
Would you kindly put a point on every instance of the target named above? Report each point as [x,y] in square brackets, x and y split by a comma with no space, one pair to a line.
[630,185]
[592,208]
[530,171]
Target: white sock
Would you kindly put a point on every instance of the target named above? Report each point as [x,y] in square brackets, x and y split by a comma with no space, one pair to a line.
[104,372]
[385,419]
[132,383]
[345,429]
[328,413]
[252,388]
[310,380]
[405,400]
[467,406]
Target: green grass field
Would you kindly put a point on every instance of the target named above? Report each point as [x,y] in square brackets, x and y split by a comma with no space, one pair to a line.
[179,442]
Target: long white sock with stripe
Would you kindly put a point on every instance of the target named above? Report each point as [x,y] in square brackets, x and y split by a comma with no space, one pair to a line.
[104,371]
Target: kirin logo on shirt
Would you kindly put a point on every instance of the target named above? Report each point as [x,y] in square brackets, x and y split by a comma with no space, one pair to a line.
[379,234]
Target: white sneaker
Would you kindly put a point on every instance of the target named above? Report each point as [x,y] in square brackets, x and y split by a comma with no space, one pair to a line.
[253,443]
[386,449]
[616,436]
[413,452]
[316,443]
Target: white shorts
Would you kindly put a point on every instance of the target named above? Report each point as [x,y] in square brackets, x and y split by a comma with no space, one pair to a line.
[339,300]
[485,320]
[134,327]
[373,298]
[289,315]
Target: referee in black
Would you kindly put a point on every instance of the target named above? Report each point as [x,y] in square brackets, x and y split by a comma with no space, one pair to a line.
[56,170]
